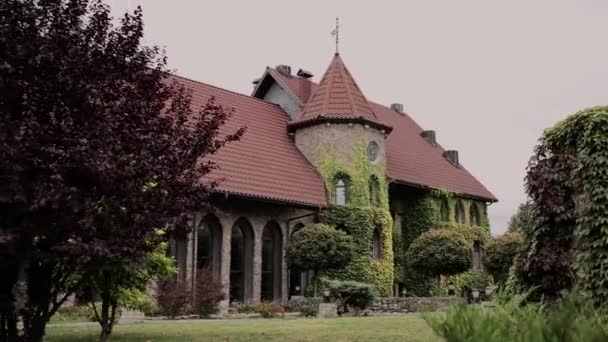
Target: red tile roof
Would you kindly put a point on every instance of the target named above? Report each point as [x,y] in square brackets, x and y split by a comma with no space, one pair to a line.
[264,163]
[409,158]
[336,97]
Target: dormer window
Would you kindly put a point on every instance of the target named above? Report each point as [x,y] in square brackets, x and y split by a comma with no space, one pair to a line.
[340,191]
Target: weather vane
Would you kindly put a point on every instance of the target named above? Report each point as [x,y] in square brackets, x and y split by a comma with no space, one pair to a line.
[336,33]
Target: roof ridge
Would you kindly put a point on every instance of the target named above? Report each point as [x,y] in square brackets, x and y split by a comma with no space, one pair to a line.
[224,89]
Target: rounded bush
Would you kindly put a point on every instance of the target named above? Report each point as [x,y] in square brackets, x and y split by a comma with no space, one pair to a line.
[440,252]
[320,247]
[500,253]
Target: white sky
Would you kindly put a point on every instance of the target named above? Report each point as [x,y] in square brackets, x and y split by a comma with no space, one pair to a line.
[487,75]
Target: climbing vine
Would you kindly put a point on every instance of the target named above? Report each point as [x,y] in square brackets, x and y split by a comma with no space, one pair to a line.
[568,183]
[360,223]
[358,171]
[420,212]
[416,212]
[359,218]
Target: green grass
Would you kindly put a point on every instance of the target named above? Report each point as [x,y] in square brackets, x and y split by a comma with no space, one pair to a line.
[391,328]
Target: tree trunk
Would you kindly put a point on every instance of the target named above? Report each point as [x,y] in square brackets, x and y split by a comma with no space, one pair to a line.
[35,331]
[108,315]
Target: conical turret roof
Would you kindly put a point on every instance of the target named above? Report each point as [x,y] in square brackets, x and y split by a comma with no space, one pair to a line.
[338,98]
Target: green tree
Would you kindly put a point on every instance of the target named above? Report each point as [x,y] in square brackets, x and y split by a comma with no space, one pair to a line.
[320,247]
[567,182]
[500,254]
[99,145]
[440,252]
[522,220]
[115,285]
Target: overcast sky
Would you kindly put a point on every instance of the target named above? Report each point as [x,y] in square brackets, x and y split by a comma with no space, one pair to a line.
[488,76]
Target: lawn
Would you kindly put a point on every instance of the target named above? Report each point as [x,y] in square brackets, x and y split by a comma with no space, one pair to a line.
[389,328]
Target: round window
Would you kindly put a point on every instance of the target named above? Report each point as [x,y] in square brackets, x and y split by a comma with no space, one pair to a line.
[372,151]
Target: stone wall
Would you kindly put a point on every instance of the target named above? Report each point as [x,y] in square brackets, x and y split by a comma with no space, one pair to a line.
[257,214]
[413,304]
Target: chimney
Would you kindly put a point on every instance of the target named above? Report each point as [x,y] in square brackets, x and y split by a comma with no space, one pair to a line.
[452,157]
[397,107]
[284,70]
[306,85]
[304,73]
[430,137]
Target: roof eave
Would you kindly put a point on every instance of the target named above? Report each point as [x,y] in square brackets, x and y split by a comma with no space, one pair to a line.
[267,199]
[292,126]
[428,187]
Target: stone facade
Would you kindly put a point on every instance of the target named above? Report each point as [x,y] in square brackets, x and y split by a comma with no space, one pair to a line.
[257,215]
[413,304]
[339,139]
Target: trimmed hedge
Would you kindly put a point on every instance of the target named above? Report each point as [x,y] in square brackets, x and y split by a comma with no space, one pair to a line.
[440,252]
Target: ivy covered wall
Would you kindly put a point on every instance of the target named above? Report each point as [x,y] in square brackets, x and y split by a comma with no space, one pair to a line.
[360,223]
[418,211]
[340,151]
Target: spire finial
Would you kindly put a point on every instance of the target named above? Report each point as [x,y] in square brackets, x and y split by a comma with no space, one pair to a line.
[336,33]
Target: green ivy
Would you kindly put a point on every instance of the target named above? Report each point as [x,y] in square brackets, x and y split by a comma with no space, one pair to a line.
[417,214]
[360,223]
[358,172]
[420,212]
[584,136]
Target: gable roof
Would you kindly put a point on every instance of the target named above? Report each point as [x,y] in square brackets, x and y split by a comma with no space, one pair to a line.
[337,97]
[410,159]
[263,164]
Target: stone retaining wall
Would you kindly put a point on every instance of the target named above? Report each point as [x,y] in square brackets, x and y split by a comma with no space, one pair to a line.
[413,304]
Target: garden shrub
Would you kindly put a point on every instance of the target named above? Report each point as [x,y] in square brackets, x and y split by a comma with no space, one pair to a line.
[236,307]
[270,310]
[133,299]
[500,254]
[308,307]
[173,297]
[351,294]
[440,252]
[464,282]
[567,183]
[571,320]
[73,313]
[320,247]
[208,293]
[266,310]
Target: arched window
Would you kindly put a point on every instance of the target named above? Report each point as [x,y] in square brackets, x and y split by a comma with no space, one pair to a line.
[477,265]
[272,251]
[377,245]
[209,245]
[444,211]
[341,191]
[474,215]
[374,191]
[459,212]
[241,262]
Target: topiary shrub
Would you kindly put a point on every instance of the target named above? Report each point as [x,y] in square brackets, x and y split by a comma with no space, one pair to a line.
[351,294]
[440,252]
[173,297]
[500,254]
[208,293]
[320,247]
